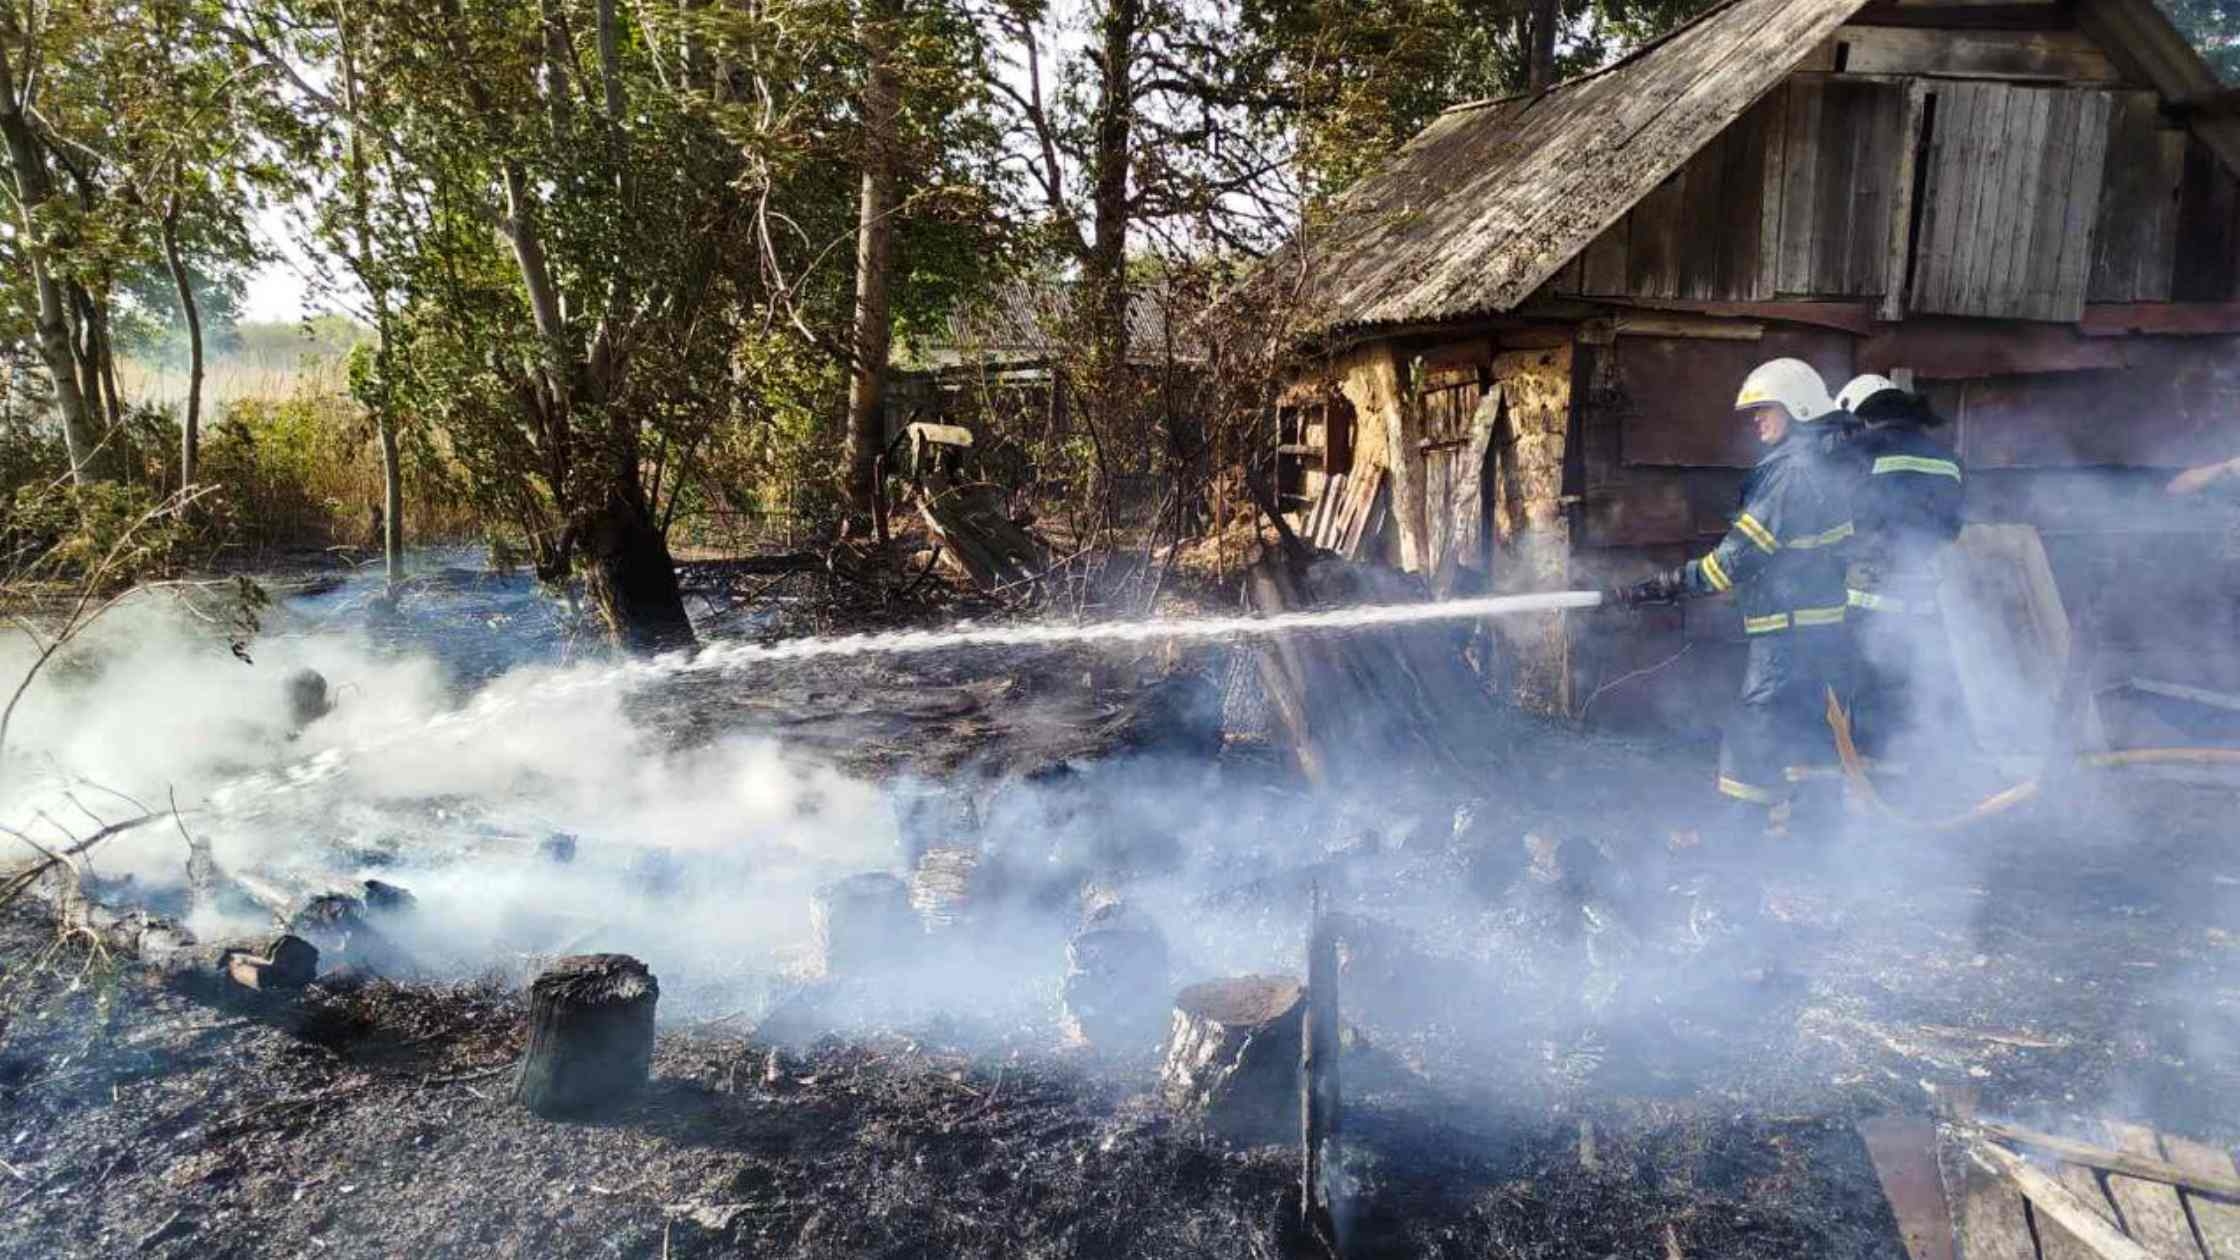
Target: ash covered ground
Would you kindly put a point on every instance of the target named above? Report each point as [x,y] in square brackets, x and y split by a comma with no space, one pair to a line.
[1556,1046]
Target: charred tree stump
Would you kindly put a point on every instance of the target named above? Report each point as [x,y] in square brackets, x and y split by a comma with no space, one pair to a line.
[590,1034]
[1116,979]
[860,922]
[1232,1056]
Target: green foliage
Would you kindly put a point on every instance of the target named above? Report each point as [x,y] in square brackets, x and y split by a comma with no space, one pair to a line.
[2213,27]
[107,531]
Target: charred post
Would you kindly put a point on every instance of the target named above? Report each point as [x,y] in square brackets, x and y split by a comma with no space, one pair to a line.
[1319,1096]
[590,1034]
[1232,1055]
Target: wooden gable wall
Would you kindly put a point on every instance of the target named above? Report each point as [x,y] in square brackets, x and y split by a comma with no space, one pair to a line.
[1989,174]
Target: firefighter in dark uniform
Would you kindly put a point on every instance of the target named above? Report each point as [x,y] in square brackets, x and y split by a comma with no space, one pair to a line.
[1783,562]
[1906,505]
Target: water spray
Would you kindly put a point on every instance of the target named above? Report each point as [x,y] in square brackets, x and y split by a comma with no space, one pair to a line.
[489,708]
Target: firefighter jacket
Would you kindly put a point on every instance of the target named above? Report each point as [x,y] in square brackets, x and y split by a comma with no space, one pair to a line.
[1784,557]
[1906,503]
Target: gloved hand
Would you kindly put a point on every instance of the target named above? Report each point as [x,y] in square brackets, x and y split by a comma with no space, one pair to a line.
[1663,588]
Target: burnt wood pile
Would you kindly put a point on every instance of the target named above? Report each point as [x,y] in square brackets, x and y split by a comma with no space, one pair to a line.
[1366,698]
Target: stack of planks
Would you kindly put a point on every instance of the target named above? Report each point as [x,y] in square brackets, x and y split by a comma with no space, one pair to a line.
[1350,512]
[1355,700]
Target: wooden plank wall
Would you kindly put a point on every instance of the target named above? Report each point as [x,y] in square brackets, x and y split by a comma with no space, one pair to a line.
[1775,206]
[2011,195]
[2135,242]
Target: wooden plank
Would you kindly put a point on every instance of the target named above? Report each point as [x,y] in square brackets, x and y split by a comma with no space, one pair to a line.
[2158,253]
[1741,199]
[2116,243]
[1604,271]
[1845,164]
[1775,109]
[2085,171]
[1898,242]
[2151,1211]
[1940,232]
[1653,242]
[2050,217]
[1989,177]
[2169,319]
[2056,1242]
[1799,223]
[2061,56]
[1993,1222]
[2216,1222]
[1703,218]
[1903,1150]
[2031,191]
[2054,1200]
[2010,637]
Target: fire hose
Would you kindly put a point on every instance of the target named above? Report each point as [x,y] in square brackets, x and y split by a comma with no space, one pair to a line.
[1855,773]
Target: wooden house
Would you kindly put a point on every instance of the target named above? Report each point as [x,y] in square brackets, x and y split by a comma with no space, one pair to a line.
[1531,322]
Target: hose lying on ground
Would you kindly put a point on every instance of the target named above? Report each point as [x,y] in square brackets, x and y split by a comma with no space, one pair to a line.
[1855,773]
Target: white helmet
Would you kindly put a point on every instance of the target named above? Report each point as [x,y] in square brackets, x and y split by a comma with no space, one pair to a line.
[1861,389]
[1789,383]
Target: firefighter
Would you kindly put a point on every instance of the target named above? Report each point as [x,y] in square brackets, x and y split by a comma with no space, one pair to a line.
[1783,561]
[1906,504]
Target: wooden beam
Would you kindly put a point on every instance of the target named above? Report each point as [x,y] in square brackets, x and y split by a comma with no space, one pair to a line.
[2139,38]
[1708,328]
[1857,318]
[2175,319]
[2225,1186]
[2058,56]
[2057,1201]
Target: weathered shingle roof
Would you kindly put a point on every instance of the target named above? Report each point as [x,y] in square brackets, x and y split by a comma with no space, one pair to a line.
[1491,199]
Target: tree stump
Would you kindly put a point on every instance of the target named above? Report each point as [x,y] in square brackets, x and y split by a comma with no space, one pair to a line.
[307,698]
[590,1034]
[861,922]
[1232,1056]
[946,884]
[1115,987]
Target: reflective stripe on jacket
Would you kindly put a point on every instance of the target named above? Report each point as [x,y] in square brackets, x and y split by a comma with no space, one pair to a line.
[1784,556]
[1906,505]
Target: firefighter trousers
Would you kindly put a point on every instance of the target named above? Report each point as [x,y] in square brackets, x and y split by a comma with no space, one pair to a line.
[1779,728]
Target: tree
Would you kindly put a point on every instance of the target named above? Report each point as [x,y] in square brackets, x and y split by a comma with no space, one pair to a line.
[874,322]
[68,343]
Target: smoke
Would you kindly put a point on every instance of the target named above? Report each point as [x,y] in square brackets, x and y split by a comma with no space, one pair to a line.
[1536,942]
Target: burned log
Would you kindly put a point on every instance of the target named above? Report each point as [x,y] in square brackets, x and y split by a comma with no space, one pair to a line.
[1116,977]
[858,923]
[590,1034]
[1232,1056]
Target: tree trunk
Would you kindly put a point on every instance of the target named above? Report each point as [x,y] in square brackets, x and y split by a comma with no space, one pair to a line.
[1105,275]
[590,1034]
[867,384]
[1546,16]
[89,461]
[190,425]
[630,578]
[392,499]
